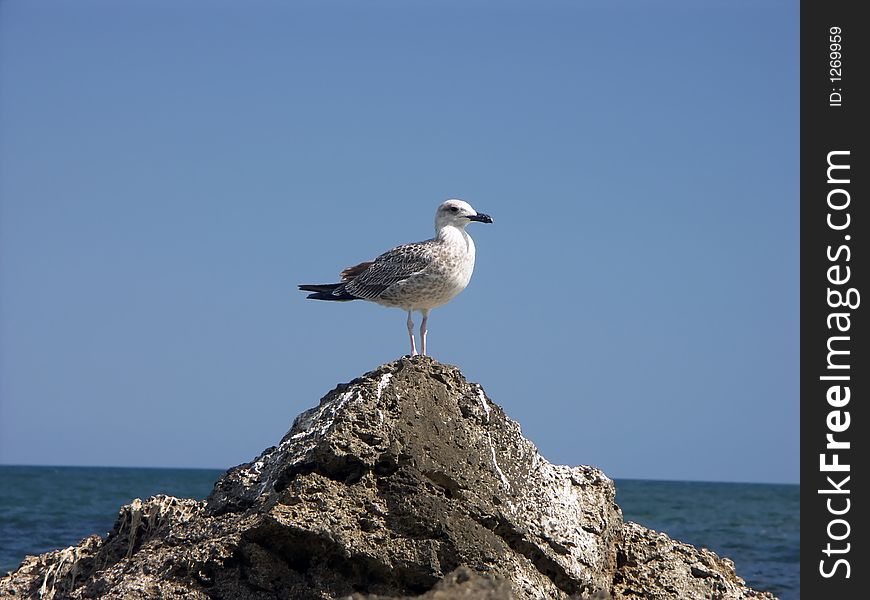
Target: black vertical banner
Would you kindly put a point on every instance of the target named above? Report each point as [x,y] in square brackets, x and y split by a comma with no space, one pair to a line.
[835,300]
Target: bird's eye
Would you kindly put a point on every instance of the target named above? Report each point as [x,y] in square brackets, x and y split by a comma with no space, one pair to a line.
[454,209]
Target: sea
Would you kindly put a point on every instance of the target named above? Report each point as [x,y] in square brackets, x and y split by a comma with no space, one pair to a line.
[755,525]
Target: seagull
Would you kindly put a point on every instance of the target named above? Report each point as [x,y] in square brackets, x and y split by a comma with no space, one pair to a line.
[414,277]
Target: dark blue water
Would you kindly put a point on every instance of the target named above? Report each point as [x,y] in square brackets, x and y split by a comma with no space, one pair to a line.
[45,508]
[755,525]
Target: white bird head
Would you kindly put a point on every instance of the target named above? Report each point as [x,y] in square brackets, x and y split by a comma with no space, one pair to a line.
[458,213]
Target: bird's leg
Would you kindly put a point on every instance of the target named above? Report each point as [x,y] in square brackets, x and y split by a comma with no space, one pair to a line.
[411,335]
[423,331]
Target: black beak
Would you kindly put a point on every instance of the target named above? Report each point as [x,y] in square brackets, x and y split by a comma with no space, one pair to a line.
[480,217]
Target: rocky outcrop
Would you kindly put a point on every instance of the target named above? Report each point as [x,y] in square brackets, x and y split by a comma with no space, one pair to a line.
[406,482]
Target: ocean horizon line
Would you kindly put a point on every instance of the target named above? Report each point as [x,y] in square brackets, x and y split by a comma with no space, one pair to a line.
[224,469]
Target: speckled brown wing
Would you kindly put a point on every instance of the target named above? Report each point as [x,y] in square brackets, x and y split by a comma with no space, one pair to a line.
[389,268]
[351,272]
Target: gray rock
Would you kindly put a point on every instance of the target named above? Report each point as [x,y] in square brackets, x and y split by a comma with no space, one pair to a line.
[406,482]
[655,567]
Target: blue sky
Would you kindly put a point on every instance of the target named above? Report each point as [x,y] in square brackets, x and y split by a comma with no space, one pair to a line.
[170,171]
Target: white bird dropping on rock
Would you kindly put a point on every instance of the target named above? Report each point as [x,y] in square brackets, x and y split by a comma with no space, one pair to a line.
[418,276]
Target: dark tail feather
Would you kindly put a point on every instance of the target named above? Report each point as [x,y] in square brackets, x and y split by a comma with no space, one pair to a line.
[327,291]
[323,287]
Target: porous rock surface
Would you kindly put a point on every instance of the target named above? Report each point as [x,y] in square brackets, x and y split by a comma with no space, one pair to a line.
[408,482]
